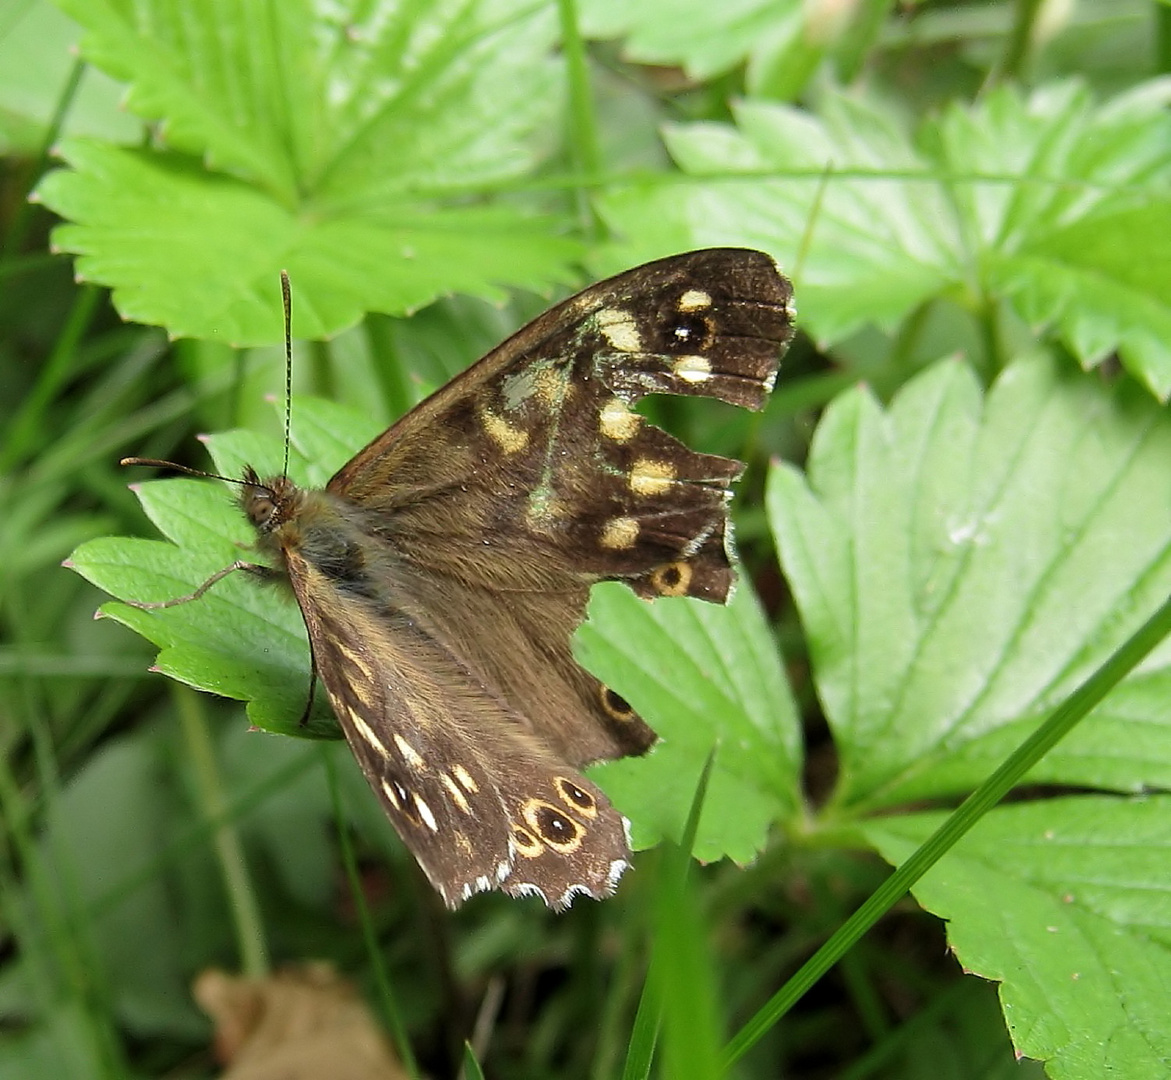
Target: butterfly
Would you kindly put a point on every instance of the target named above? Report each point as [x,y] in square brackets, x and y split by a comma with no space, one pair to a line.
[442,571]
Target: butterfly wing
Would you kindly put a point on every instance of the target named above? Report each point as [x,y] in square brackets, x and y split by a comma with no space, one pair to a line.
[531,471]
[480,802]
[530,476]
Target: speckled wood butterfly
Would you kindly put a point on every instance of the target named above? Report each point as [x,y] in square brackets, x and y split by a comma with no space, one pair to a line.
[442,571]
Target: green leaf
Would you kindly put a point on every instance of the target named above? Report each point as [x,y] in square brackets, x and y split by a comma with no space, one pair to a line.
[1066,903]
[781,43]
[962,564]
[315,139]
[1040,201]
[342,100]
[879,244]
[1061,243]
[702,676]
[703,39]
[471,1067]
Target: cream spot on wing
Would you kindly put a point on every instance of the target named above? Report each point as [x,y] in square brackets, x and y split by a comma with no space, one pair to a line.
[356,658]
[693,369]
[425,813]
[510,438]
[619,533]
[465,778]
[619,329]
[694,300]
[618,421]
[367,733]
[545,380]
[453,790]
[649,477]
[391,794]
[409,753]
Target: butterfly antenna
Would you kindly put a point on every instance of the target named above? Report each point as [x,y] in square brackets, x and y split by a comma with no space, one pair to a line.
[174,466]
[287,298]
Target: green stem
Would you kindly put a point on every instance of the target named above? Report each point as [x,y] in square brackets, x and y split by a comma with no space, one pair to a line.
[196,836]
[29,423]
[584,151]
[44,910]
[241,897]
[674,868]
[1161,13]
[390,1007]
[20,224]
[1020,41]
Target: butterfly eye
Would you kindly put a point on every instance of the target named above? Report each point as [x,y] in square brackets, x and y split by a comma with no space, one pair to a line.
[262,509]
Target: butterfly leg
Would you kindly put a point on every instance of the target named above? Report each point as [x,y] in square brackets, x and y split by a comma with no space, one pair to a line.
[307,712]
[219,575]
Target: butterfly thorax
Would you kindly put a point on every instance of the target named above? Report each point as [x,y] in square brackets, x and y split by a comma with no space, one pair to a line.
[298,527]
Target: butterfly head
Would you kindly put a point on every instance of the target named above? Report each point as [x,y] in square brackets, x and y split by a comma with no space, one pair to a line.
[270,503]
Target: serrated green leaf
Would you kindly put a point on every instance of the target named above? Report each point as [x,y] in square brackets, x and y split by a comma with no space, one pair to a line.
[344,100]
[702,676]
[201,253]
[961,564]
[317,140]
[1042,201]
[1086,278]
[880,244]
[1067,904]
[704,39]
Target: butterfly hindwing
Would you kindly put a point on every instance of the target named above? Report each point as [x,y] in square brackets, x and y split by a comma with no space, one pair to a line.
[479,801]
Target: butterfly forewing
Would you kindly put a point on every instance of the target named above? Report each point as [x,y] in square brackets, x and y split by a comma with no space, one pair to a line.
[444,569]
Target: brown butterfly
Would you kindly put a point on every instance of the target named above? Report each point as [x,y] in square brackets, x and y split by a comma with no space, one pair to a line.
[442,571]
